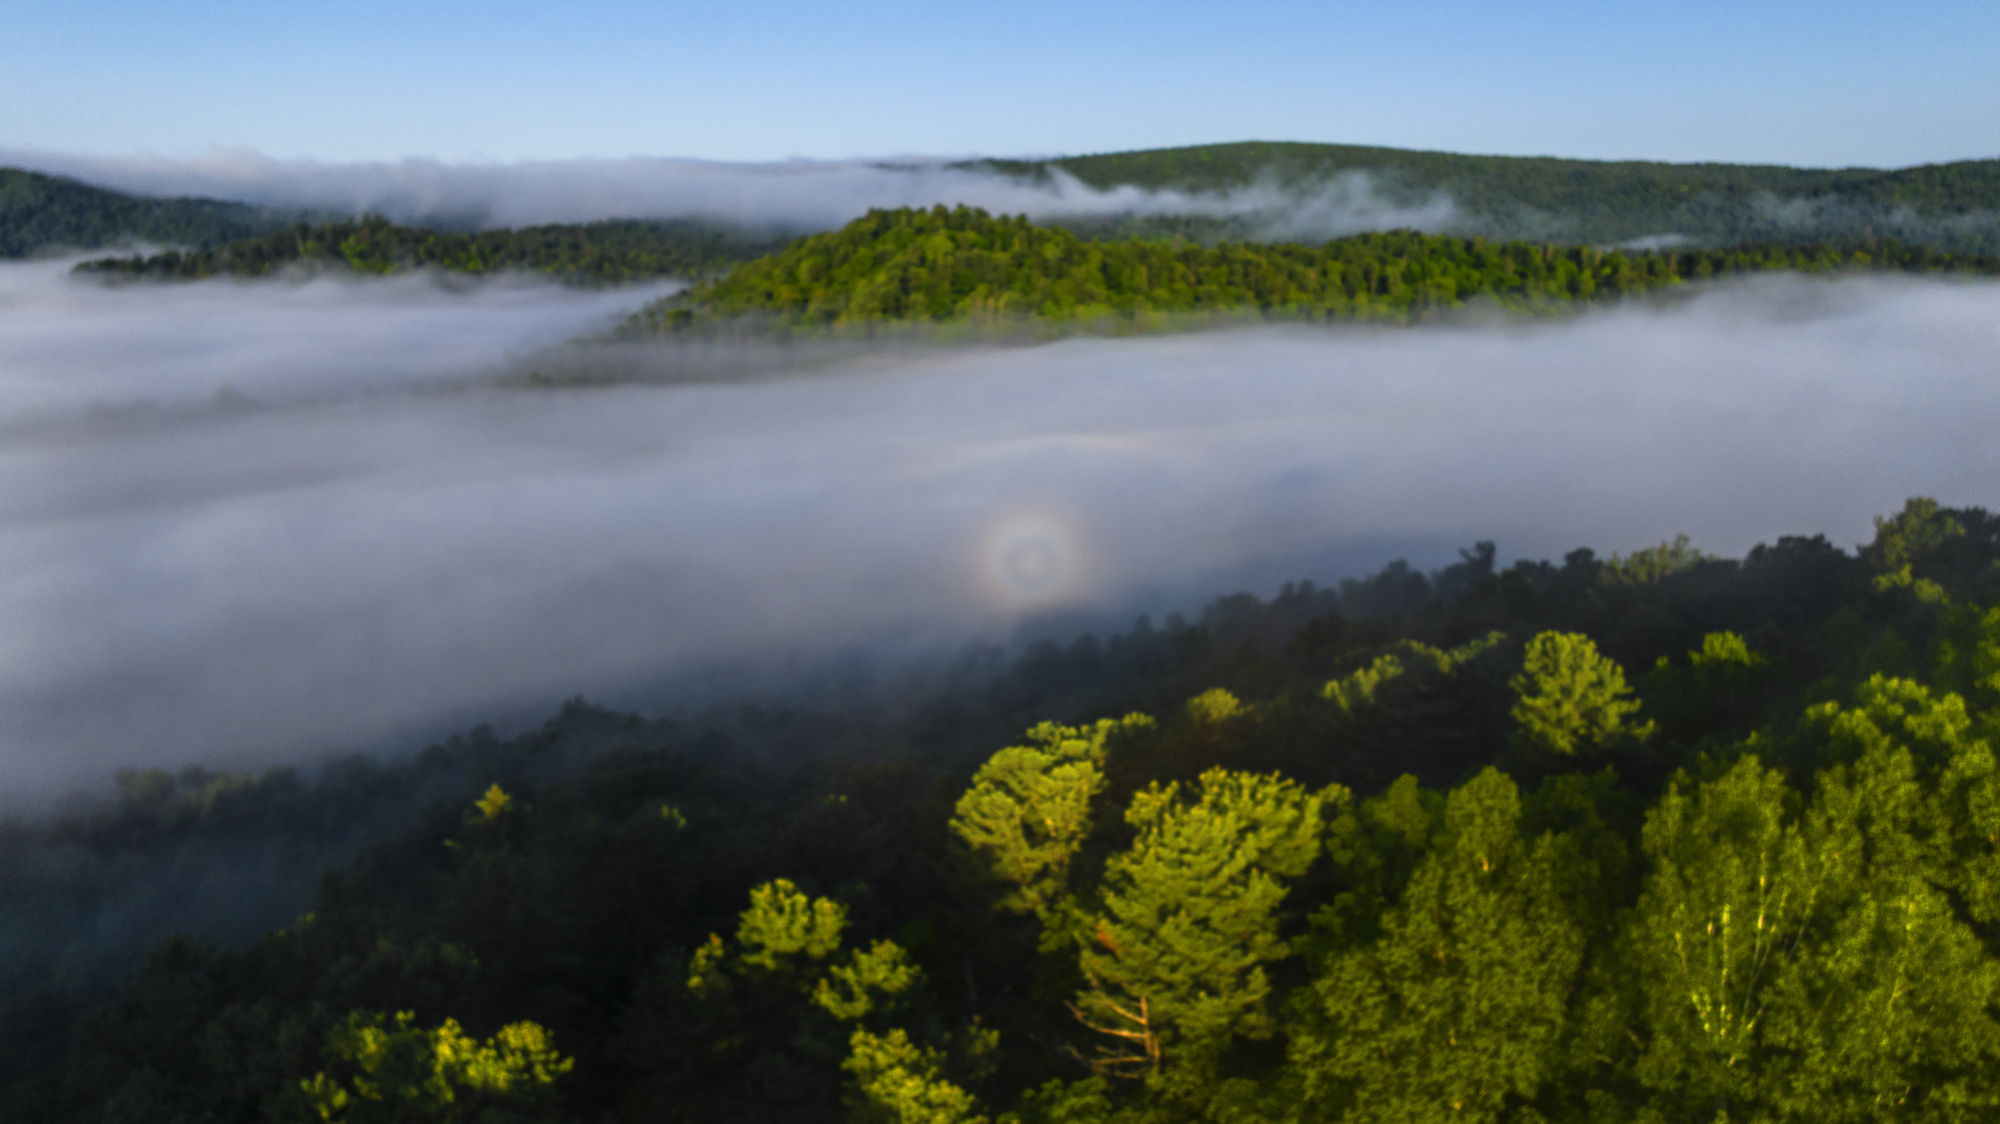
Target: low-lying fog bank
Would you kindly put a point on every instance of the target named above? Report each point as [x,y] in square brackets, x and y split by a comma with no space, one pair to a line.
[118,347]
[290,569]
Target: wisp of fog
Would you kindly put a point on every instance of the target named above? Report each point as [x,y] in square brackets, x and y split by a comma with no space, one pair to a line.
[365,541]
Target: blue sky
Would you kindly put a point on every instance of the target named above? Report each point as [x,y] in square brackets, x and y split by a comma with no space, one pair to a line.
[1829,83]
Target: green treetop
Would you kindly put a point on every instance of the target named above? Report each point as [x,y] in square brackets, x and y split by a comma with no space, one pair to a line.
[1174,962]
[1570,699]
[1030,808]
[1461,1000]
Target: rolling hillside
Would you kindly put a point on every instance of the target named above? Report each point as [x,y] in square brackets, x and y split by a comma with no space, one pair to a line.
[1954,206]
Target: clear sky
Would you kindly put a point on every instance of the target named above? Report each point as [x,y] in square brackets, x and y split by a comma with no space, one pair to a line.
[1833,82]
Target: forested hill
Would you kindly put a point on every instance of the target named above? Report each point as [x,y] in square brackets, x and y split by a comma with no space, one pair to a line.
[603,252]
[1664,838]
[964,266]
[43,212]
[1952,206]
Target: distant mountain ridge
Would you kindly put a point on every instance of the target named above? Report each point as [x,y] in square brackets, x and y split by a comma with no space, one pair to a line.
[44,212]
[1267,191]
[1952,206]
[1536,180]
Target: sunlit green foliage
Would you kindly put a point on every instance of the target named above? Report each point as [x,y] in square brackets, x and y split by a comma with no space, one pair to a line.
[871,980]
[493,804]
[1029,809]
[1456,996]
[1570,699]
[401,1073]
[1724,654]
[896,1082]
[1732,888]
[1174,962]
[1806,960]
[962,265]
[783,924]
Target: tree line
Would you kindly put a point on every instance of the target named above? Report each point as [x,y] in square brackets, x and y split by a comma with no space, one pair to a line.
[1658,837]
[610,252]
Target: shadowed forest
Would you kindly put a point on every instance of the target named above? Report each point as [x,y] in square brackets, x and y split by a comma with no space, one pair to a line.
[1662,837]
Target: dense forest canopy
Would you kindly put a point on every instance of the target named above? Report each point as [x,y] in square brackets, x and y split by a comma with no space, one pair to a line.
[1954,206]
[1663,837]
[962,265]
[43,212]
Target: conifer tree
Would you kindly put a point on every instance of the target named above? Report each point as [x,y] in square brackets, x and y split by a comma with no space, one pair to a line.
[1174,960]
[1570,699]
[1030,808]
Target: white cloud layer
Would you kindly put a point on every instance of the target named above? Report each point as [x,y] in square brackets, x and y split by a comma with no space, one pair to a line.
[364,544]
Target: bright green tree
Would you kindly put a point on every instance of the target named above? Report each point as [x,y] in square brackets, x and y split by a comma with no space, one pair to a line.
[1174,960]
[1942,817]
[895,1081]
[1731,892]
[1030,808]
[1569,699]
[1807,964]
[1461,999]
[784,935]
[871,981]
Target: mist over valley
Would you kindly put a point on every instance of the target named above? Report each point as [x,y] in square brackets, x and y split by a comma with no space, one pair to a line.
[1258,631]
[253,523]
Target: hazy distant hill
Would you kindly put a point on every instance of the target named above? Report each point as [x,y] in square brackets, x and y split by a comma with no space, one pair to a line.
[40,211]
[1252,191]
[1950,206]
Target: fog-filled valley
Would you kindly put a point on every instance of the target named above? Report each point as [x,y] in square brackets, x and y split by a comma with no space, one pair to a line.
[260,523]
[1224,638]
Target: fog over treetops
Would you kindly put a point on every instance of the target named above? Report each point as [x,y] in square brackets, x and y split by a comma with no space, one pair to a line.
[258,522]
